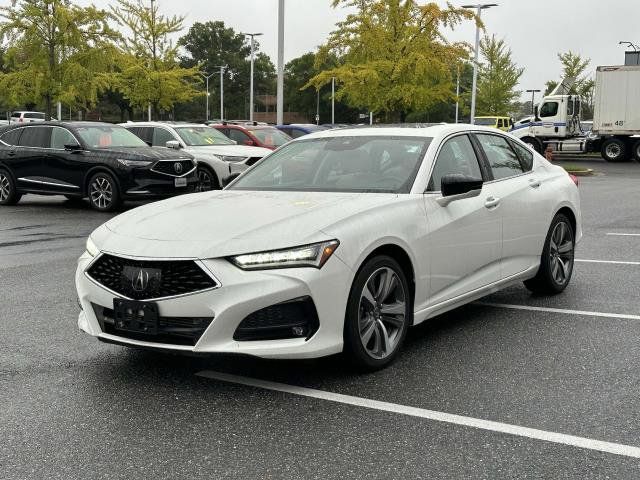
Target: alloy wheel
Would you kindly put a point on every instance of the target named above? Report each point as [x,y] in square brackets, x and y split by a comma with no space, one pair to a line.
[5,187]
[205,183]
[101,192]
[382,313]
[561,253]
[613,151]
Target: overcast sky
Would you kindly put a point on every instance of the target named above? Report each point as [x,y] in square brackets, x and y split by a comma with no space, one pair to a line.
[536,30]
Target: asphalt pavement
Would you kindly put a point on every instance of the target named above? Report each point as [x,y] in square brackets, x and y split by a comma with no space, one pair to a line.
[567,366]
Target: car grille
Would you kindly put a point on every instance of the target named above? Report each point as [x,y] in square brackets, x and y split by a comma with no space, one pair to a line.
[145,280]
[171,330]
[252,161]
[170,167]
[292,319]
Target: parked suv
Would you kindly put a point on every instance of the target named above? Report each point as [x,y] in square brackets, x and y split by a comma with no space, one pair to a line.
[254,134]
[103,162]
[26,117]
[217,156]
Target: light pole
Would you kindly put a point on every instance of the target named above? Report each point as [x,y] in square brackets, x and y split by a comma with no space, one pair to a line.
[222,69]
[333,100]
[207,77]
[629,44]
[458,94]
[479,7]
[153,47]
[533,97]
[252,35]
[280,90]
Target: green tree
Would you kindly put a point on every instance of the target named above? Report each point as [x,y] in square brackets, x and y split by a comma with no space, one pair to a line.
[576,67]
[394,56]
[150,72]
[211,45]
[498,77]
[56,51]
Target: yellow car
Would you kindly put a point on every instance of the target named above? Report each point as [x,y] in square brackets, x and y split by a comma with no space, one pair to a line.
[501,123]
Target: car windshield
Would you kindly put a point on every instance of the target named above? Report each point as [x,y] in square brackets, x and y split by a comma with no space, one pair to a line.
[271,137]
[484,121]
[202,136]
[108,136]
[367,164]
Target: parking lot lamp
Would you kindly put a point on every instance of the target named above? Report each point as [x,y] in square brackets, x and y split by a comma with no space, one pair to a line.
[479,7]
[280,89]
[207,77]
[222,69]
[252,35]
[533,98]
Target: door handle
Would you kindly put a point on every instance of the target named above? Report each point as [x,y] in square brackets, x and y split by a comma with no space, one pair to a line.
[534,183]
[491,202]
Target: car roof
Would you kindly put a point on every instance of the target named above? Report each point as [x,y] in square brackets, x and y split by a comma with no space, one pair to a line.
[405,130]
[162,124]
[70,124]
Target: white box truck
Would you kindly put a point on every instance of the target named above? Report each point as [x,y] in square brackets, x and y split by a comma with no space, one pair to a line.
[616,119]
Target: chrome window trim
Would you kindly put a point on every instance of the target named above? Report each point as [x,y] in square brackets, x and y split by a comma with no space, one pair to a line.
[197,261]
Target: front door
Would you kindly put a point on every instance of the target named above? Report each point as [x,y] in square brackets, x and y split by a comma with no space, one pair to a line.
[464,240]
[66,167]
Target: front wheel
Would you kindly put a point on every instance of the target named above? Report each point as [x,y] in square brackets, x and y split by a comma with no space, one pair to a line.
[8,193]
[556,262]
[379,312]
[207,180]
[104,194]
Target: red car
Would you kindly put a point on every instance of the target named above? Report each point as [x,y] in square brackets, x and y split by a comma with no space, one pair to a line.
[254,135]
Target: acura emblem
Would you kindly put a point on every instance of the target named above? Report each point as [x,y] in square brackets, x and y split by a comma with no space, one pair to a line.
[177,167]
[140,280]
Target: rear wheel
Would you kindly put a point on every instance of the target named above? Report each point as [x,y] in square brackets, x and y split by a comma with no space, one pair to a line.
[104,194]
[556,262]
[636,151]
[614,150]
[8,193]
[379,313]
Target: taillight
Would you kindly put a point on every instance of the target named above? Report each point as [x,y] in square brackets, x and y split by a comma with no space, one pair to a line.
[575,180]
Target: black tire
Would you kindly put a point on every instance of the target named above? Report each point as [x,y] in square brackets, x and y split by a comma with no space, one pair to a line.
[365,318]
[8,193]
[614,150]
[534,143]
[555,257]
[207,179]
[103,192]
[636,151]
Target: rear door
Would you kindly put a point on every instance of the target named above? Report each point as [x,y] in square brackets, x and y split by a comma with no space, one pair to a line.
[30,170]
[521,202]
[465,236]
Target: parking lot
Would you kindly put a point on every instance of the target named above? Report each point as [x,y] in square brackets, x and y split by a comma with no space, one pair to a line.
[514,386]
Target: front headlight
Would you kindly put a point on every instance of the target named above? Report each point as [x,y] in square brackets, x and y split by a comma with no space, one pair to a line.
[314,255]
[91,248]
[231,158]
[134,163]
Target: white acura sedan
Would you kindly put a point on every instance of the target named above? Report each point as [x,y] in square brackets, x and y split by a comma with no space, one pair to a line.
[339,241]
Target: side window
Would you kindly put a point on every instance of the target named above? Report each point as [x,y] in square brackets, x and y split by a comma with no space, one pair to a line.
[456,157]
[549,109]
[12,136]
[526,156]
[161,137]
[297,133]
[500,124]
[502,159]
[144,133]
[238,136]
[36,137]
[61,137]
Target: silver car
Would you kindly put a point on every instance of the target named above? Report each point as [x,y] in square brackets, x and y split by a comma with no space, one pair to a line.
[218,157]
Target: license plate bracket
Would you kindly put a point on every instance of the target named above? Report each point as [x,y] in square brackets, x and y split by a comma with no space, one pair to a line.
[135,316]
[181,182]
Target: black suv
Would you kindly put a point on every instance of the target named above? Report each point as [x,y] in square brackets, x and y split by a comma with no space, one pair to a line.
[104,162]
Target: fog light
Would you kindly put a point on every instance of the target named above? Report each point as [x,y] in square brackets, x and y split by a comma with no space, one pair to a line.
[298,331]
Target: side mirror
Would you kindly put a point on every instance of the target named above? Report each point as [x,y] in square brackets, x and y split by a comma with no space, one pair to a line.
[457,187]
[227,180]
[73,147]
[249,143]
[173,144]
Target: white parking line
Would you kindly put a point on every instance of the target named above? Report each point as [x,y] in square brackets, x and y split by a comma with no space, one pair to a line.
[624,234]
[613,262]
[560,438]
[559,310]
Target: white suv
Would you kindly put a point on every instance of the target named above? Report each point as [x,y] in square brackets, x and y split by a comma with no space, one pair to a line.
[218,157]
[26,117]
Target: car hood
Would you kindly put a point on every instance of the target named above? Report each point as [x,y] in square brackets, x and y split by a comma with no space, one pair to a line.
[142,153]
[231,150]
[221,223]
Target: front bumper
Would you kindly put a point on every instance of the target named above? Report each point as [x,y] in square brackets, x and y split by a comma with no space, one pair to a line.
[240,294]
[144,183]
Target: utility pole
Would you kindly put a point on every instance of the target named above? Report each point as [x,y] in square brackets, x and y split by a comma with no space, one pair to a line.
[458,94]
[479,7]
[153,47]
[207,77]
[252,35]
[333,100]
[533,96]
[280,90]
